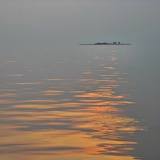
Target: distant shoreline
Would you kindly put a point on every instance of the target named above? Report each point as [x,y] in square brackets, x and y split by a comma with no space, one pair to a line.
[114,43]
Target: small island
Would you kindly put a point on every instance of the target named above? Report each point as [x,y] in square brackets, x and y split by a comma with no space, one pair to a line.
[104,43]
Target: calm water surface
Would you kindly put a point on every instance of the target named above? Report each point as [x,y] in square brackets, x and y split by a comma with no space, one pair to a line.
[78,103]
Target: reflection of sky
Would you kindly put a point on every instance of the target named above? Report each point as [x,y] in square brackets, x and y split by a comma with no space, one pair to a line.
[59,115]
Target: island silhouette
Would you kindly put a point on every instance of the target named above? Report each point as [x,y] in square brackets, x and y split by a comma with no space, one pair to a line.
[105,43]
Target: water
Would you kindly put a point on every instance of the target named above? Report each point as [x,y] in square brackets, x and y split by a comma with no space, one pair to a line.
[79,103]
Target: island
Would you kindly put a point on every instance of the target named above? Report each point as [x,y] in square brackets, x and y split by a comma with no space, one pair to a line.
[104,43]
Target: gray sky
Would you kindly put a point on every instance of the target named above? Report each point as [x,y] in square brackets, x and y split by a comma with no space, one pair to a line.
[78,21]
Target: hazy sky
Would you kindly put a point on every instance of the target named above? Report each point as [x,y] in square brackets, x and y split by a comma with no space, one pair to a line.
[78,21]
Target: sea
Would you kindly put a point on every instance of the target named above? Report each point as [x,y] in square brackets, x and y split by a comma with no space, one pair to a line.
[75,102]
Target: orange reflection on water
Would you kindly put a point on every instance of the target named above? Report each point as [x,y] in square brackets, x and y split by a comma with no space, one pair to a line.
[52,92]
[101,94]
[93,130]
[78,119]
[15,75]
[29,83]
[87,72]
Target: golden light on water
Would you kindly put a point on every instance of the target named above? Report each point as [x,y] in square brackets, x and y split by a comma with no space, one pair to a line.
[67,118]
